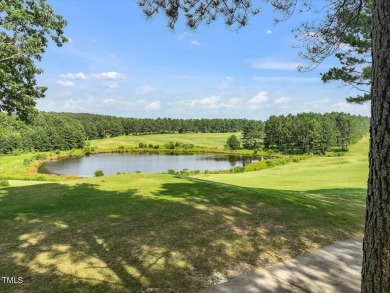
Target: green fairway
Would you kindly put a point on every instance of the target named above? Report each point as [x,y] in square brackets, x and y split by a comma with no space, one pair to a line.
[135,232]
[211,140]
[347,171]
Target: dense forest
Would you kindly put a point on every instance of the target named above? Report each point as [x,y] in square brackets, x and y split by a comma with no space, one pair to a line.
[306,132]
[63,131]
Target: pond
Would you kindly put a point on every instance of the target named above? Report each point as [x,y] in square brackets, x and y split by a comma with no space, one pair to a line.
[113,163]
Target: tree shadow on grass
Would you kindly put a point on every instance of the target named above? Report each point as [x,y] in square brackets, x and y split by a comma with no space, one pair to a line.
[183,235]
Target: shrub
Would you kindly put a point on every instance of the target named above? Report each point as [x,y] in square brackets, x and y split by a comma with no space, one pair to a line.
[41,178]
[170,145]
[238,169]
[4,183]
[40,156]
[296,159]
[99,173]
[233,143]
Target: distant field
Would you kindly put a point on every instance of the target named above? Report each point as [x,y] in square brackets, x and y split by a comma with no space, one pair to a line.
[211,140]
[135,232]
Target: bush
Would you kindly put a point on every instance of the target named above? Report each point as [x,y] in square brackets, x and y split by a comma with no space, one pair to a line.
[40,156]
[233,143]
[170,145]
[238,169]
[296,159]
[4,183]
[99,173]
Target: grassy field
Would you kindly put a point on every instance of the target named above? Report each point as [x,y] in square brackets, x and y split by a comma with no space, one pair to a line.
[25,166]
[161,233]
[210,140]
[346,171]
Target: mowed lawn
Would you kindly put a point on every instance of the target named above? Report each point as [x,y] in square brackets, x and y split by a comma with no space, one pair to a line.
[211,140]
[161,233]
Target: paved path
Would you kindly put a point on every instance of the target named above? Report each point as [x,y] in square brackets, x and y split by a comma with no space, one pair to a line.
[333,269]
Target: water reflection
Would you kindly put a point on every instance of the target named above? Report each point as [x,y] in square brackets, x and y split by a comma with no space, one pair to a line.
[144,162]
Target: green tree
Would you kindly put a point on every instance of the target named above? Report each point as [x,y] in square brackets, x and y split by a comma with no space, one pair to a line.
[26,26]
[322,38]
[252,134]
[355,61]
[233,143]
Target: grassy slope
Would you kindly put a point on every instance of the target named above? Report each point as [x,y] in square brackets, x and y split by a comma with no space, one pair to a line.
[347,171]
[212,140]
[14,167]
[128,233]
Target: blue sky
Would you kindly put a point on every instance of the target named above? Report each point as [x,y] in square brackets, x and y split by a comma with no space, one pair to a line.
[118,63]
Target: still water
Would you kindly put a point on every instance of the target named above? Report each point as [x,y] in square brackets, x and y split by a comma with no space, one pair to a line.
[144,162]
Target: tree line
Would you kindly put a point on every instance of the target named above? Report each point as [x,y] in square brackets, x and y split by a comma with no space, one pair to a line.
[102,126]
[48,132]
[64,131]
[303,133]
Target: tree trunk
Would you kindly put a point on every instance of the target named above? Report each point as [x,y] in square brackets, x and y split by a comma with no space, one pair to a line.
[376,243]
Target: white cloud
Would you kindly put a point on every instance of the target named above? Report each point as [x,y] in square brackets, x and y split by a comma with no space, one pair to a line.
[66,83]
[318,103]
[273,64]
[281,100]
[196,43]
[352,108]
[235,102]
[183,35]
[228,79]
[285,79]
[144,90]
[111,102]
[211,102]
[225,82]
[258,101]
[77,105]
[79,75]
[152,106]
[108,75]
[110,84]
[268,32]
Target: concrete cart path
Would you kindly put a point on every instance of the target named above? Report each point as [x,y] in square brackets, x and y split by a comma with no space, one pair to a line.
[335,268]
